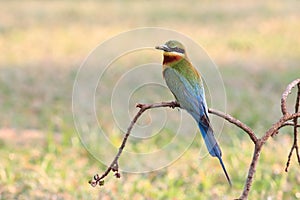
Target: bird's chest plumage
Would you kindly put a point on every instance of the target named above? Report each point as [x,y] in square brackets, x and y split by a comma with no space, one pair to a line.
[171,59]
[180,75]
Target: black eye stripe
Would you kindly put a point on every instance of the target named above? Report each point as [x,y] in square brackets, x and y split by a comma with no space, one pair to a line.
[176,49]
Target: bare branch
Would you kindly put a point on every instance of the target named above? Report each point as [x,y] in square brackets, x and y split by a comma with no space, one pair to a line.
[279,124]
[99,180]
[236,122]
[259,142]
[295,143]
[285,95]
[251,171]
[284,125]
[273,130]
[289,124]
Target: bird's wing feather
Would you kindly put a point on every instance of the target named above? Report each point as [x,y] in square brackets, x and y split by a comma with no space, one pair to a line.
[190,97]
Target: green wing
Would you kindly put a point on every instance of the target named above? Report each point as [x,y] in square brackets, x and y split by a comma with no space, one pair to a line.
[190,97]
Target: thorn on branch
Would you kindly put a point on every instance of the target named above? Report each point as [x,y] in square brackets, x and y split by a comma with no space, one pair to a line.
[101,182]
[118,175]
[276,132]
[115,167]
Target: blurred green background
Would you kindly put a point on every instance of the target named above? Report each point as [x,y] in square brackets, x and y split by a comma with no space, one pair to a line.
[255,44]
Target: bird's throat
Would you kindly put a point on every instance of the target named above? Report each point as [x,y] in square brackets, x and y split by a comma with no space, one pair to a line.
[171,59]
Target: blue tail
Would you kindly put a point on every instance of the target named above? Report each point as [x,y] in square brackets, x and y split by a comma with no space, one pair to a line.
[211,144]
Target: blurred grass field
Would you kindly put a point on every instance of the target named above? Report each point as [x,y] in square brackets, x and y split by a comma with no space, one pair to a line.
[255,44]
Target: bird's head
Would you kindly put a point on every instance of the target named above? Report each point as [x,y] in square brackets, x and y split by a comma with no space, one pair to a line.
[172,48]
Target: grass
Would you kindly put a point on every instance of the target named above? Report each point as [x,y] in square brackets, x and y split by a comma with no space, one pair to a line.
[255,45]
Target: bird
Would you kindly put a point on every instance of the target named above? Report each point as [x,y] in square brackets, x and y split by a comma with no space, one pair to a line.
[185,82]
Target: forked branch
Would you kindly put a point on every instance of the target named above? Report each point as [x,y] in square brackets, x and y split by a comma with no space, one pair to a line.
[295,124]
[284,121]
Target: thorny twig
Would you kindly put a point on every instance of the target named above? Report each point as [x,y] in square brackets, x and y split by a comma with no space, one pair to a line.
[258,142]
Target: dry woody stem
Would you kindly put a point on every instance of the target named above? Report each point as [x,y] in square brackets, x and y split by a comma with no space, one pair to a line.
[287,120]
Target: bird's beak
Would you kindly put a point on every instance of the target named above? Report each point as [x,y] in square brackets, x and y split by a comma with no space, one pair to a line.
[163,47]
